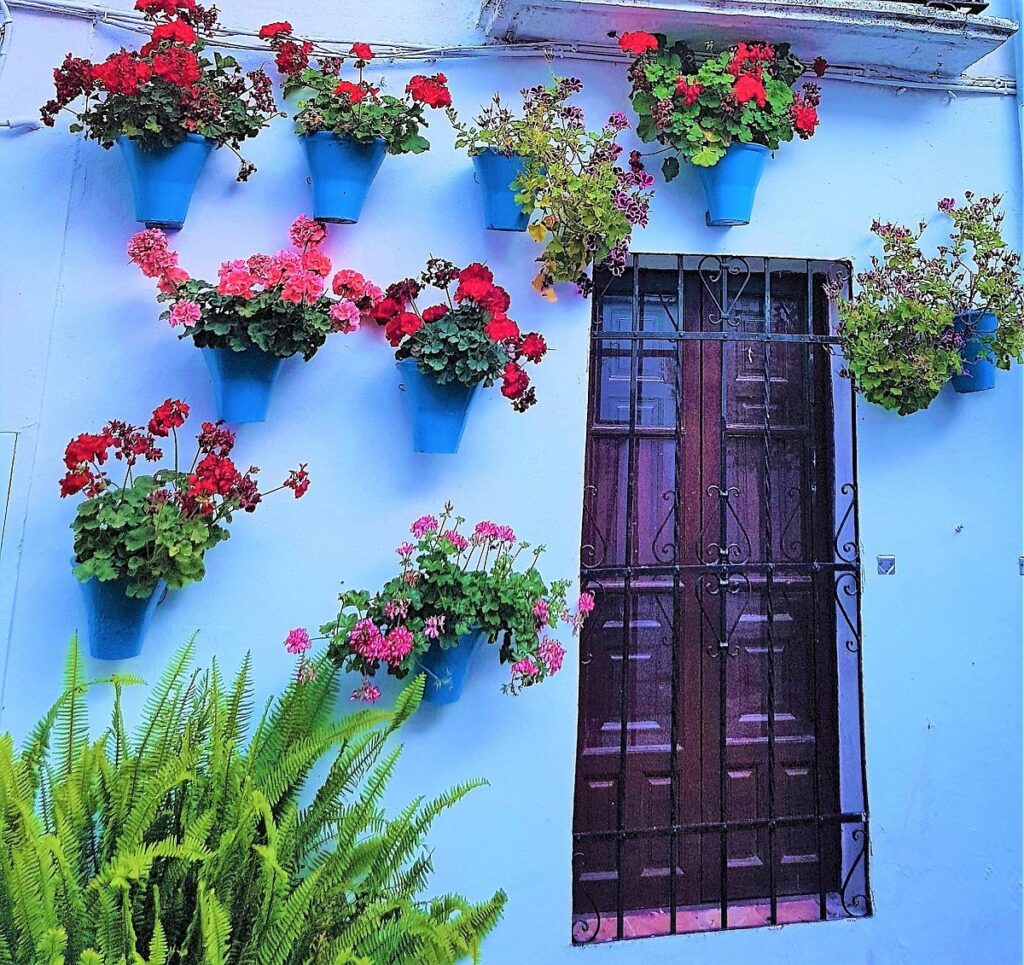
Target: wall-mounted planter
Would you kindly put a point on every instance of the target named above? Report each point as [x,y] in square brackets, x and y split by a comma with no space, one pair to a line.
[731,184]
[446,668]
[438,411]
[341,170]
[242,382]
[117,623]
[979,371]
[163,180]
[495,173]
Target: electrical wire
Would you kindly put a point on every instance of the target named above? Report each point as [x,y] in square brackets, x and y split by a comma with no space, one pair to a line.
[237,39]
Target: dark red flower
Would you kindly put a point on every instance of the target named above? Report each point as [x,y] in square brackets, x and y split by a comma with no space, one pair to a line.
[270,30]
[819,66]
[363,52]
[533,347]
[354,92]
[216,439]
[514,380]
[292,58]
[298,481]
[637,42]
[385,310]
[431,91]
[749,87]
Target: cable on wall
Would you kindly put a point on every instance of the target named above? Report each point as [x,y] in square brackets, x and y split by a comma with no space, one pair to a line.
[237,39]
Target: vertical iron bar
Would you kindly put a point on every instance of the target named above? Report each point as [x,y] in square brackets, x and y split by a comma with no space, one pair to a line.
[769,613]
[723,652]
[810,460]
[627,603]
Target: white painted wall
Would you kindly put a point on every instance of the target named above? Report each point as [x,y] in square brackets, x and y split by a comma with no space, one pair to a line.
[80,343]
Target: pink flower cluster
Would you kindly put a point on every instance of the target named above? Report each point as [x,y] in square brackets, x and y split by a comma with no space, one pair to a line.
[296,277]
[455,539]
[486,530]
[366,691]
[424,526]
[367,639]
[297,641]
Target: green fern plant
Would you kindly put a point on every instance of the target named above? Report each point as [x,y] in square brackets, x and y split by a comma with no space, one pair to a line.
[190,840]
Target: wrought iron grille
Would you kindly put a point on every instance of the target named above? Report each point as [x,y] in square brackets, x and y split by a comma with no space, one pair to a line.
[720,775]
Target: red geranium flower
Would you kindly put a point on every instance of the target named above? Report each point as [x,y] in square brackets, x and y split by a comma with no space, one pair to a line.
[435,312]
[171,414]
[270,30]
[805,119]
[819,66]
[475,281]
[363,52]
[501,328]
[122,73]
[637,42]
[177,31]
[687,91]
[403,324]
[178,66]
[385,310]
[514,380]
[354,92]
[430,90]
[749,87]
[495,301]
[533,347]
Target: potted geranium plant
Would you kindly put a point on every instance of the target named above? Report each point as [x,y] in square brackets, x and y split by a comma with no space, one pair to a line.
[453,593]
[723,115]
[584,204]
[447,351]
[151,530]
[258,313]
[166,107]
[919,321]
[348,126]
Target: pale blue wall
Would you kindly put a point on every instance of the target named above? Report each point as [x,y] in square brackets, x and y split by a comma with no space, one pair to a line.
[942,639]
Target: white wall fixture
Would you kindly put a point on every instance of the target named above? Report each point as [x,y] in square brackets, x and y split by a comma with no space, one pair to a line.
[897,40]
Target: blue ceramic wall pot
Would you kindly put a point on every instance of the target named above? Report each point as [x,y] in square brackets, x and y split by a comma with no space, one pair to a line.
[163,179]
[446,668]
[117,623]
[342,170]
[495,173]
[730,185]
[438,411]
[242,382]
[979,371]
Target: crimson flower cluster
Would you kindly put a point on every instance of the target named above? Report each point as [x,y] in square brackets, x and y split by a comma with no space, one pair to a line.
[278,303]
[167,89]
[356,107]
[468,337]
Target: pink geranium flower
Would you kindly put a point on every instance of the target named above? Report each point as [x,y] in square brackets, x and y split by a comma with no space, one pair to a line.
[184,313]
[297,641]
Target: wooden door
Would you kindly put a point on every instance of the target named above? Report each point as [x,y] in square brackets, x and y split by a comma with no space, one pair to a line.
[708,740]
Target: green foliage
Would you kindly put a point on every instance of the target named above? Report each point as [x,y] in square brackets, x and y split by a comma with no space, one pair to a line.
[897,333]
[455,348]
[584,204]
[899,355]
[691,106]
[122,533]
[185,842]
[265,320]
[397,121]
[454,586]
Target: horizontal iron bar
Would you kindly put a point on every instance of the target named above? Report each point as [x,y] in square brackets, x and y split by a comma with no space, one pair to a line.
[672,336]
[669,569]
[719,827]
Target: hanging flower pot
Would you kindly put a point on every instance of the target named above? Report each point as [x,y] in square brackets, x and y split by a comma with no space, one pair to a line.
[979,372]
[446,668]
[242,382]
[496,173]
[117,623]
[163,179]
[342,170]
[438,411]
[730,185]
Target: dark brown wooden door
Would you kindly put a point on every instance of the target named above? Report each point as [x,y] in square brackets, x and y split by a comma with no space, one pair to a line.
[708,739]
